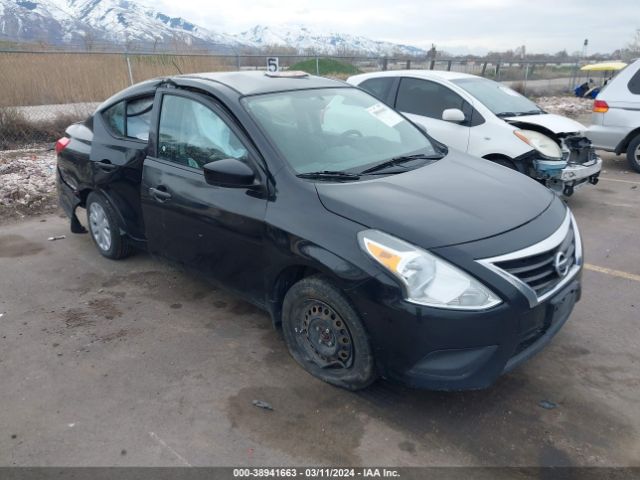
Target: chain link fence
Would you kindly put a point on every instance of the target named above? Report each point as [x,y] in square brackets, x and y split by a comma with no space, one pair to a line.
[43,92]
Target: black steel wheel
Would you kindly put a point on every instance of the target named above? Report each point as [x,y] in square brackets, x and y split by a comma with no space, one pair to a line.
[325,335]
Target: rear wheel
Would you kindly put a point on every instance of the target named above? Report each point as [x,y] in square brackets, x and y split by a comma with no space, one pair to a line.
[104,228]
[633,154]
[325,336]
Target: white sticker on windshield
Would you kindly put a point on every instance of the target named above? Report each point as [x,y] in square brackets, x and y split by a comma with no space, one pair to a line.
[384,114]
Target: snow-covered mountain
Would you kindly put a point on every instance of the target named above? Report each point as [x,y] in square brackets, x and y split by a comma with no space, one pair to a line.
[305,39]
[92,23]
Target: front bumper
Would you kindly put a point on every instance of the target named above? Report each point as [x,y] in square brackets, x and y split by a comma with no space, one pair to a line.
[451,350]
[574,176]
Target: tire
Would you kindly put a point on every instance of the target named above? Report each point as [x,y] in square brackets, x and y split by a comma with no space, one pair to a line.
[325,336]
[633,153]
[105,229]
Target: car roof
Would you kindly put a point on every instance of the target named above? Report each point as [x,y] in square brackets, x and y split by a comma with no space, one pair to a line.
[243,83]
[257,82]
[426,74]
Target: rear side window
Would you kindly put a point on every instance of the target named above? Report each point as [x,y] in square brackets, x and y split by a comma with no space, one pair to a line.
[130,118]
[139,118]
[378,87]
[429,99]
[634,84]
[114,116]
[191,134]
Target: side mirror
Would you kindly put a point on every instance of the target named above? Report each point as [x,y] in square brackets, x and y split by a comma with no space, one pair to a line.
[454,115]
[229,172]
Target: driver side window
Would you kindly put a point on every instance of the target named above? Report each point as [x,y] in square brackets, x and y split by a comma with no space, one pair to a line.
[429,99]
[193,135]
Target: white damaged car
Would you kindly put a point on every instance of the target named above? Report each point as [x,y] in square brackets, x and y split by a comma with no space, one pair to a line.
[489,120]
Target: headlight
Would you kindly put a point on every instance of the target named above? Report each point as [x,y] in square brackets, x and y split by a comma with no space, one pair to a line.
[540,142]
[427,279]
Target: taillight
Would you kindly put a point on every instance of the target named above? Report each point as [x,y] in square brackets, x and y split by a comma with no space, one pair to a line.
[62,144]
[600,106]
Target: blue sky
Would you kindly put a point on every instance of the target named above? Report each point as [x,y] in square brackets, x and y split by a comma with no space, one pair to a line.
[456,25]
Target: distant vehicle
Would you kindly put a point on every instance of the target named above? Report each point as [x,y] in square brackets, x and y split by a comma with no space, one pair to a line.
[489,120]
[615,121]
[379,251]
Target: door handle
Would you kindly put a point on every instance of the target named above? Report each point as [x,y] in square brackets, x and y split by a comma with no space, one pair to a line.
[160,194]
[106,166]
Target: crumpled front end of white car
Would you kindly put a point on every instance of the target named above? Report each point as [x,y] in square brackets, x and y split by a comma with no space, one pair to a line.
[579,165]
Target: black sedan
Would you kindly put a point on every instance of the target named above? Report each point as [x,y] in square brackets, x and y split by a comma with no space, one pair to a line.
[377,250]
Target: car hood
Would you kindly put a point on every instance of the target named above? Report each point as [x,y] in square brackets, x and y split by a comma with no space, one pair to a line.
[555,123]
[455,200]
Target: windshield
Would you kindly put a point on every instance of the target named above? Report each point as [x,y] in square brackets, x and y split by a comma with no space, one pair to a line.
[335,129]
[498,98]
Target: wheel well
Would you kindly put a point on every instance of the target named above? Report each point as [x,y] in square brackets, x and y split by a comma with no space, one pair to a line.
[504,160]
[624,144]
[497,156]
[83,196]
[284,281]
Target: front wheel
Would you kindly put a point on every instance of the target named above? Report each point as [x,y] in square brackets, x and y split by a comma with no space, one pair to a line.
[104,228]
[633,154]
[325,336]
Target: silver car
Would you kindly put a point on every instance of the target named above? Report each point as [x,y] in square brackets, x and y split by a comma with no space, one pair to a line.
[615,122]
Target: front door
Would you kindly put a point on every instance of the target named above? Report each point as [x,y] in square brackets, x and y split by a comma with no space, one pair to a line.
[217,230]
[424,101]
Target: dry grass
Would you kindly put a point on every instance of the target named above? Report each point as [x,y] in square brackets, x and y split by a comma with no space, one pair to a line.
[17,131]
[53,78]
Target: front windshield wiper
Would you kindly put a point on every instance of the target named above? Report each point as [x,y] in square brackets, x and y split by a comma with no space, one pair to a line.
[330,174]
[398,160]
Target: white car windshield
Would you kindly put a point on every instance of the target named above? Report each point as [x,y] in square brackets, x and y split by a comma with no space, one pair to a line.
[336,129]
[500,99]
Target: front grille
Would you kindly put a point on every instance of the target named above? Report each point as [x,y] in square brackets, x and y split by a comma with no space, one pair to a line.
[539,271]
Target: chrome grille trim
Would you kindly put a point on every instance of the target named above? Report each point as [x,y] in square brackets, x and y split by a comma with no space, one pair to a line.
[545,246]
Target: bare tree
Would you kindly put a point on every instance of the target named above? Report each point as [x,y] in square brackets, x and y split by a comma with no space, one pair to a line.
[632,51]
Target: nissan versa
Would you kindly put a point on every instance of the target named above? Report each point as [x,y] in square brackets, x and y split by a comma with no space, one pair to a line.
[378,251]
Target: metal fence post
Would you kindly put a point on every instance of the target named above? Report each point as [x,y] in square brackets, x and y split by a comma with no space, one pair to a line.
[129,69]
[317,65]
[497,71]
[448,66]
[484,69]
[384,63]
[408,64]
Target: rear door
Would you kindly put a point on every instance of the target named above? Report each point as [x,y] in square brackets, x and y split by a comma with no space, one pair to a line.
[423,101]
[216,230]
[119,147]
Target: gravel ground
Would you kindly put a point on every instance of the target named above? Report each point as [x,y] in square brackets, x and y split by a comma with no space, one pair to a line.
[27,182]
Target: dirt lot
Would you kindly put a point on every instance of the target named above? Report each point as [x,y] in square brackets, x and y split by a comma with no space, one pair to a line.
[136,363]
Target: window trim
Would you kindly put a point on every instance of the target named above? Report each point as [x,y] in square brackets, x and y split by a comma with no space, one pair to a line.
[125,101]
